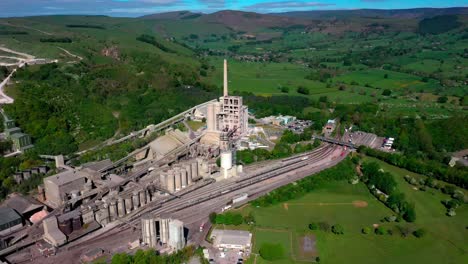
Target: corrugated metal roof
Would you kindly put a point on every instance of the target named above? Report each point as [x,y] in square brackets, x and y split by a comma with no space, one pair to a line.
[8,215]
[232,237]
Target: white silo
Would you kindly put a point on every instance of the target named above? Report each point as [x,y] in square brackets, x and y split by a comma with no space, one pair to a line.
[136,199]
[226,160]
[121,207]
[188,169]
[183,177]
[164,230]
[148,231]
[142,195]
[176,234]
[128,204]
[226,163]
[113,210]
[178,180]
[163,179]
[194,166]
[170,181]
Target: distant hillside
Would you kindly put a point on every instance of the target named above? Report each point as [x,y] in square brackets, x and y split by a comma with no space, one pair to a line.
[375,13]
[176,15]
[438,24]
[249,21]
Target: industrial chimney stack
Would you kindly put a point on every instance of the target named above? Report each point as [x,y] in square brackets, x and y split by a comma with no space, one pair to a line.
[225,79]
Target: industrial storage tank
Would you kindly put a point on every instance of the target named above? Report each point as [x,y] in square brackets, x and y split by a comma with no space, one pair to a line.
[194,166]
[149,234]
[65,225]
[177,178]
[163,179]
[128,204]
[142,195]
[170,181]
[76,222]
[163,230]
[183,176]
[136,200]
[113,210]
[176,234]
[226,160]
[121,207]
[188,169]
[102,216]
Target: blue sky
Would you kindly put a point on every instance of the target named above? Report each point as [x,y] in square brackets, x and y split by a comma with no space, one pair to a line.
[134,8]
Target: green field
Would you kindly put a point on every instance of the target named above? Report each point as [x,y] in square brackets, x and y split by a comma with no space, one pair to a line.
[445,242]
[395,81]
[266,78]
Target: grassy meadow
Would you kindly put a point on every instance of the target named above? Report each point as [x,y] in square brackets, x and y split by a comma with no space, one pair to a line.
[286,223]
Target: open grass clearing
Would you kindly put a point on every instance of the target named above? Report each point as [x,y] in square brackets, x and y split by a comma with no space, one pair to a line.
[445,241]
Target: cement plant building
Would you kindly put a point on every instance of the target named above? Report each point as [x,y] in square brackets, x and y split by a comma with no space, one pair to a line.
[228,115]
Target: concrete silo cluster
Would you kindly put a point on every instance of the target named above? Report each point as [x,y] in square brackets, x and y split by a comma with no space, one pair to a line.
[181,175]
[163,232]
[113,207]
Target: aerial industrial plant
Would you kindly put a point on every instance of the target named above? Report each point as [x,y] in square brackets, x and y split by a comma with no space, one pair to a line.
[331,136]
[160,193]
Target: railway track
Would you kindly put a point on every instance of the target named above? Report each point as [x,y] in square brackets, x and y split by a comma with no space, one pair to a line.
[218,189]
[226,188]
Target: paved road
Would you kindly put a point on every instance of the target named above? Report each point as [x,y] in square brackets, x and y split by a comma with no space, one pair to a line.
[4,98]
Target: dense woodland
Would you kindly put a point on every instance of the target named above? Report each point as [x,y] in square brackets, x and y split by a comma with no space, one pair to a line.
[63,107]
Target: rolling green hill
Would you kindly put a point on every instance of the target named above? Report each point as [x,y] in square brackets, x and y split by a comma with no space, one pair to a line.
[134,69]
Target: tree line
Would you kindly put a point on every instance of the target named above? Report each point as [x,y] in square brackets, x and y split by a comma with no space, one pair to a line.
[342,171]
[378,180]
[432,169]
[150,256]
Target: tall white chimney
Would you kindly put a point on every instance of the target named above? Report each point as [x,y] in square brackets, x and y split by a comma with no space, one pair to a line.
[225,86]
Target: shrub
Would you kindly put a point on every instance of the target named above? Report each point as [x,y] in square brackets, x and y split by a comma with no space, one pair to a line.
[386,92]
[410,213]
[366,230]
[442,99]
[448,189]
[213,217]
[380,230]
[313,226]
[419,233]
[303,90]
[451,204]
[337,229]
[271,252]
